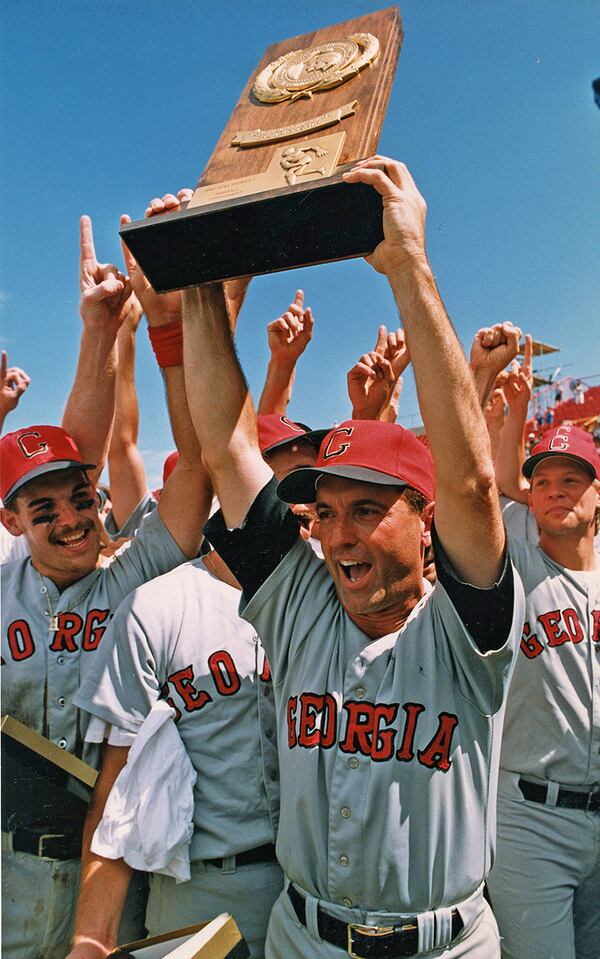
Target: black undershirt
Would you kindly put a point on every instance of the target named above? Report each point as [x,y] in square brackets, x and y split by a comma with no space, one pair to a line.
[253,551]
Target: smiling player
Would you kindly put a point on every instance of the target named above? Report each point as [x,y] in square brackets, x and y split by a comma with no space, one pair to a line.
[56,604]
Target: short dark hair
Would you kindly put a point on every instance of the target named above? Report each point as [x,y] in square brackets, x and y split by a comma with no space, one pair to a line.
[417,501]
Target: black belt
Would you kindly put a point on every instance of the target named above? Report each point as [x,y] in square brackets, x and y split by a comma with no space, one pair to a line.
[567,798]
[47,845]
[264,853]
[382,942]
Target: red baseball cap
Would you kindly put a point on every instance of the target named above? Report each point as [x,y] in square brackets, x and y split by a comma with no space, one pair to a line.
[568,441]
[369,451]
[34,451]
[275,430]
[169,465]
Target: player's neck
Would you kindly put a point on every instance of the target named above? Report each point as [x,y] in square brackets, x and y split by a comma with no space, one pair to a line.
[572,551]
[60,579]
[383,622]
[217,567]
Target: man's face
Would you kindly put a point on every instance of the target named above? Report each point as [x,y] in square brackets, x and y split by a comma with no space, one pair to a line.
[286,459]
[563,497]
[372,543]
[58,516]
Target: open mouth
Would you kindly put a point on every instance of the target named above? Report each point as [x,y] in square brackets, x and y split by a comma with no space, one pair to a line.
[72,540]
[353,570]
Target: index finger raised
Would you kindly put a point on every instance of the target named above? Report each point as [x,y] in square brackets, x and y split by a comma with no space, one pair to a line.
[86,241]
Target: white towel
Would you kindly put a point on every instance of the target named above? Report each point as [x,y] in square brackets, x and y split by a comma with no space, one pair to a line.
[148,817]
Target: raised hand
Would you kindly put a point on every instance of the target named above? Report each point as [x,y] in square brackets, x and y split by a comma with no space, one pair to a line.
[396,351]
[290,333]
[519,384]
[104,289]
[492,350]
[494,347]
[160,308]
[235,290]
[371,381]
[404,211]
[13,383]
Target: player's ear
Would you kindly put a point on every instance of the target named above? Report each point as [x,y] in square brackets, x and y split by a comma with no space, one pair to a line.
[427,520]
[10,520]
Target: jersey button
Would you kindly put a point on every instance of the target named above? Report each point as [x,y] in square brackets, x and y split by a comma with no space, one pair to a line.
[62,743]
[345,812]
[267,690]
[347,902]
[361,693]
[353,762]
[61,701]
[269,734]
[274,777]
[344,860]
[60,660]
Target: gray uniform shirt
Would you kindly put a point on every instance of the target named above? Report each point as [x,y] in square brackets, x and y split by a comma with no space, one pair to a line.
[552,726]
[180,637]
[42,669]
[388,748]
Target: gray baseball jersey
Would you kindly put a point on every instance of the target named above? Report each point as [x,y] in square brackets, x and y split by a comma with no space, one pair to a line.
[50,638]
[545,884]
[388,748]
[146,505]
[552,725]
[181,637]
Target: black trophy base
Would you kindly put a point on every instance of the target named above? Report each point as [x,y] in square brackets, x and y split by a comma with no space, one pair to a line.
[308,223]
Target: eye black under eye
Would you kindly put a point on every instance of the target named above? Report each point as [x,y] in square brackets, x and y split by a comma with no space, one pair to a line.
[43,518]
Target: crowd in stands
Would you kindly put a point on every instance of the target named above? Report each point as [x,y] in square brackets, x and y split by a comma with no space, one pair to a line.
[235,649]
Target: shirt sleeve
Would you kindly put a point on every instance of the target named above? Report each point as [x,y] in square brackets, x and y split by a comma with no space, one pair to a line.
[146,505]
[487,614]
[126,676]
[98,731]
[256,548]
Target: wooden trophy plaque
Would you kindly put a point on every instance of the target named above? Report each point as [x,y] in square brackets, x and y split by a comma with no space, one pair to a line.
[272,195]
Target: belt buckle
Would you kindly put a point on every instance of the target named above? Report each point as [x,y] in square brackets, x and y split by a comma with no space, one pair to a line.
[593,800]
[375,931]
[41,843]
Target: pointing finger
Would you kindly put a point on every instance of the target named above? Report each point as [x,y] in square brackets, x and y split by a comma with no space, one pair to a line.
[381,340]
[86,244]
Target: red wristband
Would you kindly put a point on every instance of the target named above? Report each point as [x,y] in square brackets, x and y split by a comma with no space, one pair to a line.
[167,343]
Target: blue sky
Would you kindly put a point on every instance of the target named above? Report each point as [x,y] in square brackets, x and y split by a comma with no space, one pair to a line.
[107,103]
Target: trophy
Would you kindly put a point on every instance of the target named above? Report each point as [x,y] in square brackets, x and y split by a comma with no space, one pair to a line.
[272,195]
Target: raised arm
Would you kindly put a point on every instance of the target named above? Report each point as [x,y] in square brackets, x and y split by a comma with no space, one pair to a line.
[189,482]
[511,449]
[220,403]
[288,335]
[125,464]
[89,412]
[494,412]
[467,511]
[13,383]
[396,351]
